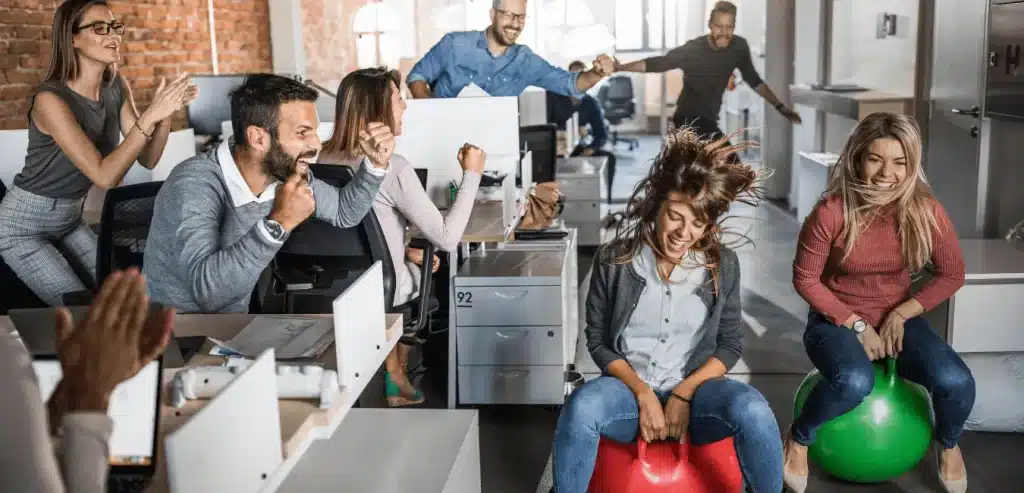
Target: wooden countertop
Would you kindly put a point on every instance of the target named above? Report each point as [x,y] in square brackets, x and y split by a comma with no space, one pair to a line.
[849,104]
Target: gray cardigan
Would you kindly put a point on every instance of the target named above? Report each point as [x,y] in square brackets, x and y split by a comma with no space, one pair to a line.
[615,290]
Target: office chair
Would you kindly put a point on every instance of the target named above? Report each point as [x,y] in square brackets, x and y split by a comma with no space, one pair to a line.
[14,293]
[319,261]
[124,227]
[541,141]
[421,173]
[616,97]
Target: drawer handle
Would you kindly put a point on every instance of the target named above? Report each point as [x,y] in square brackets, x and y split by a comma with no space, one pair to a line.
[515,296]
[512,373]
[510,335]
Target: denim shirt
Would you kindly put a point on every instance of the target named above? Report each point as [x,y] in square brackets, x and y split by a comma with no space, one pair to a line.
[462,57]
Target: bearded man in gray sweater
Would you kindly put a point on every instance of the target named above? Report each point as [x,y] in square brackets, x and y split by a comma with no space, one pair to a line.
[220,217]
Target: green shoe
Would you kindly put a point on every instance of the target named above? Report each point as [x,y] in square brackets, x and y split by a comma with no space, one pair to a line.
[395,396]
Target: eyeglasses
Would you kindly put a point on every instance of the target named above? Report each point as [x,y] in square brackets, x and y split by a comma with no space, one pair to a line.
[511,16]
[103,28]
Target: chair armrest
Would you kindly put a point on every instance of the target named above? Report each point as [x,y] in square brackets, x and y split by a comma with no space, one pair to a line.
[421,243]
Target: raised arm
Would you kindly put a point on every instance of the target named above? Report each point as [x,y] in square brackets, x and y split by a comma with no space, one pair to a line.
[152,151]
[814,247]
[429,68]
[414,204]
[345,207]
[661,63]
[218,275]
[53,117]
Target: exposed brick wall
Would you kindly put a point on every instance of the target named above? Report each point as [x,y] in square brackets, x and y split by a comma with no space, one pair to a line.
[327,37]
[163,39]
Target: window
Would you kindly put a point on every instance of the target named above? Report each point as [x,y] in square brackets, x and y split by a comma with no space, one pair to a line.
[648,25]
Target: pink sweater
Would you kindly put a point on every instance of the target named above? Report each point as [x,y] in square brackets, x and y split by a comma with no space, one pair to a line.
[872,281]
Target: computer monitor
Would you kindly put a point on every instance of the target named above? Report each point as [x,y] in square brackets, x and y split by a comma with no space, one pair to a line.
[212,106]
[134,408]
[541,141]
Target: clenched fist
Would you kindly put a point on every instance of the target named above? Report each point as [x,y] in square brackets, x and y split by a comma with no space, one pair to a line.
[377,143]
[293,202]
[472,158]
[604,65]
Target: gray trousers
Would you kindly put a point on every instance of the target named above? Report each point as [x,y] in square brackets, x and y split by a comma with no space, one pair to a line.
[46,243]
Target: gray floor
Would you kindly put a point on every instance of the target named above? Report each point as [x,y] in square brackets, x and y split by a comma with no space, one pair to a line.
[516,441]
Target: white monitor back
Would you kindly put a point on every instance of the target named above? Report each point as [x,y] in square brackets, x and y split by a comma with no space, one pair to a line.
[359,327]
[15,146]
[433,130]
[533,106]
[233,444]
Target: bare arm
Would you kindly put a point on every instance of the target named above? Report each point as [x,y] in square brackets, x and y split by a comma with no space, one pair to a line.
[420,90]
[768,95]
[152,151]
[587,79]
[54,118]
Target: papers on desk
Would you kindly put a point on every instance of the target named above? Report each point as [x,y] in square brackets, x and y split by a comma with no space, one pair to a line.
[473,91]
[289,337]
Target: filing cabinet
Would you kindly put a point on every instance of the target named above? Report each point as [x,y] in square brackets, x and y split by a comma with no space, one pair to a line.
[581,180]
[514,332]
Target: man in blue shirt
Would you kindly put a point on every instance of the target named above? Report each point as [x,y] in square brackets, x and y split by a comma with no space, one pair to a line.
[492,60]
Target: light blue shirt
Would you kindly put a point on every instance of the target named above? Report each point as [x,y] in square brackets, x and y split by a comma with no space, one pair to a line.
[667,322]
[462,57]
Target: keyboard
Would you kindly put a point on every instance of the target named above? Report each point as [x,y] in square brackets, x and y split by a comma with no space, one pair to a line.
[127,484]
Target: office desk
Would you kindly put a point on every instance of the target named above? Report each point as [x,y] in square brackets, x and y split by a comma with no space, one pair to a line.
[394,451]
[985,314]
[302,422]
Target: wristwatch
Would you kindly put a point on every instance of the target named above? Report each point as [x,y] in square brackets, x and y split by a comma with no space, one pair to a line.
[859,326]
[275,229]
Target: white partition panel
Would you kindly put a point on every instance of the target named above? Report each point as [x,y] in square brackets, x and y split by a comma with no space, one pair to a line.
[233,444]
[433,130]
[359,328]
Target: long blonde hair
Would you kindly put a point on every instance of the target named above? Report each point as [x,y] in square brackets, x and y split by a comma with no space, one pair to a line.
[912,199]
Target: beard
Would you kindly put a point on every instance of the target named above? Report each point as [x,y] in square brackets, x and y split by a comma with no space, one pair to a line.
[279,164]
[504,38]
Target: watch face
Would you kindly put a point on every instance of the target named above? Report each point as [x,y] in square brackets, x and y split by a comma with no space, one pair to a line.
[859,326]
[275,228]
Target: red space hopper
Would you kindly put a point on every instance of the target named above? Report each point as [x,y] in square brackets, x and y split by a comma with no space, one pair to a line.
[666,467]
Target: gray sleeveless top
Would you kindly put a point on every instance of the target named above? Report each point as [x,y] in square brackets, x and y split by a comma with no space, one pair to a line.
[48,171]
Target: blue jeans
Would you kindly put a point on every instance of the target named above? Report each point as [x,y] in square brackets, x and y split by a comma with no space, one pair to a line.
[925,360]
[720,408]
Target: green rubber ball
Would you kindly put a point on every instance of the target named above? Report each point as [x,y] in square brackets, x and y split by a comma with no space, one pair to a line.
[885,436]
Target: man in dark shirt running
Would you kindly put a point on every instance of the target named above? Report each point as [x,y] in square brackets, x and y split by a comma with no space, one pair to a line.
[707,62]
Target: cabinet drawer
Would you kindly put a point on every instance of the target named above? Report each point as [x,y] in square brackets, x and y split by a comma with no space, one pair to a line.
[511,384]
[581,211]
[580,188]
[491,346]
[505,306]
[986,319]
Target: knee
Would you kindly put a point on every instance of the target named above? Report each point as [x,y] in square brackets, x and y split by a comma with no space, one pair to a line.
[855,383]
[583,411]
[750,409]
[955,379]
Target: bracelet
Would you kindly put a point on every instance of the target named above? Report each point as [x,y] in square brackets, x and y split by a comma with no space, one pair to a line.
[677,396]
[780,106]
[148,137]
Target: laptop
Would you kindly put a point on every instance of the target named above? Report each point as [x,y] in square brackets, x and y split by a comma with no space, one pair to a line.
[135,411]
[36,326]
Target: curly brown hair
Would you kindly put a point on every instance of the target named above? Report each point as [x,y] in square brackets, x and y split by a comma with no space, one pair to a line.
[702,172]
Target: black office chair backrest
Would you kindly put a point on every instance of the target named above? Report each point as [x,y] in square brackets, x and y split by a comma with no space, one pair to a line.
[619,88]
[541,141]
[421,173]
[352,250]
[124,227]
